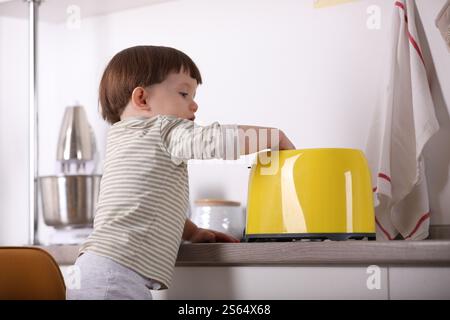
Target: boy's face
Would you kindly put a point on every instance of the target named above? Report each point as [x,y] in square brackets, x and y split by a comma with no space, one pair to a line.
[174,96]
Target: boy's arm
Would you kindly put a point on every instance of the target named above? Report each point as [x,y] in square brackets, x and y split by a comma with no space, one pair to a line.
[185,140]
[253,139]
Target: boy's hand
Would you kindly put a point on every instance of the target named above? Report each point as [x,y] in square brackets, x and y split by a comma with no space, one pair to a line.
[207,235]
[285,143]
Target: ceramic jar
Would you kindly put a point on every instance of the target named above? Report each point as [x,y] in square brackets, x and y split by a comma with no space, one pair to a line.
[220,215]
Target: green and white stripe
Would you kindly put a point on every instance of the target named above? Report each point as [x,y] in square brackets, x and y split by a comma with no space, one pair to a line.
[144,192]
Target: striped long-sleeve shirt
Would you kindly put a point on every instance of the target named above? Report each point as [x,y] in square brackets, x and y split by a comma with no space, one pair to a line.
[144,192]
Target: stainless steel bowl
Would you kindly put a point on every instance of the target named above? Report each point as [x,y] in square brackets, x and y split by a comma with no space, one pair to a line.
[69,200]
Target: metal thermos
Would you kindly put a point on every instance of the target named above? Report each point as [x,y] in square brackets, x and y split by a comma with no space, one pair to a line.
[76,143]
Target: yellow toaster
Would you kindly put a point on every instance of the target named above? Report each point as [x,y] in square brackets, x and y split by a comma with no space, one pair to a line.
[312,194]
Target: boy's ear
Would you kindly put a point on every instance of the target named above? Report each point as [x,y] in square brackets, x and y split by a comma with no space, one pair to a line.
[139,99]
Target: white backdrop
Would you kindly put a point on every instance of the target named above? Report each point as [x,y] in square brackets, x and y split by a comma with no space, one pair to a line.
[315,73]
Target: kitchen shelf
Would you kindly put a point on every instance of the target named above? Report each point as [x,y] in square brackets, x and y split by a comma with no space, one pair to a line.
[55,11]
[427,252]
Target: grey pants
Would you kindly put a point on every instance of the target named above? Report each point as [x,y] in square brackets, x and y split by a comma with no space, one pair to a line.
[102,278]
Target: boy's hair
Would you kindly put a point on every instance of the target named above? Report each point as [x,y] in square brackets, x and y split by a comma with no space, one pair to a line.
[139,66]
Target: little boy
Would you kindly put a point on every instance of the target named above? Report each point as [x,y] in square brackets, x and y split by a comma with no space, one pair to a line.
[147,94]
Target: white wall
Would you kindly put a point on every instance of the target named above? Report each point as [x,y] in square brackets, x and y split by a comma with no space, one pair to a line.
[13,132]
[313,73]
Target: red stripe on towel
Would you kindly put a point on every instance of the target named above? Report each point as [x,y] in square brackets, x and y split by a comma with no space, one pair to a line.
[416,46]
[382,229]
[421,220]
[400,4]
[411,38]
[384,176]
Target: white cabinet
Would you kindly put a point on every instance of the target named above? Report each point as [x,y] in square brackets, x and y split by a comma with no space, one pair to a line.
[419,282]
[275,282]
[303,282]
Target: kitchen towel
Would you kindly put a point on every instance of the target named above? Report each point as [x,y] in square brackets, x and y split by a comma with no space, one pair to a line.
[403,122]
[443,23]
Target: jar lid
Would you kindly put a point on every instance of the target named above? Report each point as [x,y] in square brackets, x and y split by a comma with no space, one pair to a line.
[216,202]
